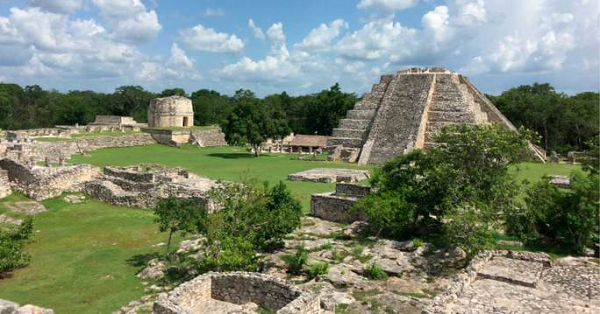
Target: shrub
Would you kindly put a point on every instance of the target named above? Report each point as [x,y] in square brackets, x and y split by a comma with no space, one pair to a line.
[295,263]
[417,242]
[569,218]
[375,272]
[317,270]
[11,246]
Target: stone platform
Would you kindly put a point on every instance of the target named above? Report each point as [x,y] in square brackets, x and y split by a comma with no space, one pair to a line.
[514,282]
[330,175]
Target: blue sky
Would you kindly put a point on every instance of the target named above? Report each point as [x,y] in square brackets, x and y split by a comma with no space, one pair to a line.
[298,46]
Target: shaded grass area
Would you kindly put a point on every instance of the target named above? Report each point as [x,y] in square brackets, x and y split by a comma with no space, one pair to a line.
[224,163]
[84,257]
[534,171]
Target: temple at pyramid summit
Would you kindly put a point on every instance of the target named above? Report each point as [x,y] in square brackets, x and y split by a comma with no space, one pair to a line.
[404,111]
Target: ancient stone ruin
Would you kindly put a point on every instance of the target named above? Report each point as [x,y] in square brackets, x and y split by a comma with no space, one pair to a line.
[521,282]
[172,111]
[337,205]
[330,175]
[237,292]
[142,186]
[404,112]
[4,184]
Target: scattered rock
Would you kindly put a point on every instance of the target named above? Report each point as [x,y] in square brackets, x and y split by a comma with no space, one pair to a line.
[7,219]
[8,307]
[355,228]
[331,299]
[187,246]
[154,270]
[27,207]
[341,275]
[74,199]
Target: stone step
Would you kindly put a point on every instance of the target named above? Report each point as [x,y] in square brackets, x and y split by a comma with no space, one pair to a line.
[438,126]
[360,114]
[362,124]
[366,105]
[345,141]
[450,116]
[349,133]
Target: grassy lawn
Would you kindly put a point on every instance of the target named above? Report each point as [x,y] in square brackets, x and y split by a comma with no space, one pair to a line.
[225,163]
[533,172]
[83,257]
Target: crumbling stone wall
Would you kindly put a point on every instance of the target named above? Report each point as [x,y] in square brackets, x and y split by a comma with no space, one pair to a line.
[42,183]
[208,137]
[337,206]
[4,184]
[143,186]
[238,287]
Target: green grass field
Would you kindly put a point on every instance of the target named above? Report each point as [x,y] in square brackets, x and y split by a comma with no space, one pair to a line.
[85,256]
[224,163]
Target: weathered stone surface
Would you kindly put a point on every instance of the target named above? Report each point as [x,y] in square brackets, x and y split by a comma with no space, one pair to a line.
[74,199]
[143,185]
[172,111]
[9,220]
[560,181]
[42,183]
[329,175]
[237,288]
[8,307]
[155,270]
[337,206]
[5,189]
[27,207]
[513,271]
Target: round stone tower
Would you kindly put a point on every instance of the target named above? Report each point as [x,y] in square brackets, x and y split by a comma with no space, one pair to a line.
[172,111]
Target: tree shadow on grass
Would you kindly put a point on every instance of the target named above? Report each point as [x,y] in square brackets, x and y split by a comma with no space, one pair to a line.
[141,260]
[236,155]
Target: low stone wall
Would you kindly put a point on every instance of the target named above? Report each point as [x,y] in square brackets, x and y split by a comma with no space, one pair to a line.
[208,137]
[42,183]
[352,189]
[238,288]
[4,184]
[331,207]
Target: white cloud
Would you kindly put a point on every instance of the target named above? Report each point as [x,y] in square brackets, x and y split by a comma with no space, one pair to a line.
[379,39]
[214,12]
[471,13]
[387,5]
[58,6]
[320,38]
[256,31]
[128,20]
[179,58]
[438,23]
[275,32]
[201,38]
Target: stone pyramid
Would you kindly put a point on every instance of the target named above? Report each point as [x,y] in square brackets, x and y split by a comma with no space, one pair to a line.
[404,111]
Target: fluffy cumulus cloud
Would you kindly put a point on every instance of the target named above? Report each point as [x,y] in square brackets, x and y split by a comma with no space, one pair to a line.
[321,37]
[129,20]
[58,6]
[388,5]
[549,38]
[201,38]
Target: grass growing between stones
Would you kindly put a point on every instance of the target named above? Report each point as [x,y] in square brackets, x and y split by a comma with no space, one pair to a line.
[76,136]
[225,163]
[84,257]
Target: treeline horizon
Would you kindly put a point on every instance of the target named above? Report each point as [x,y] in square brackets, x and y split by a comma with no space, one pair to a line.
[563,122]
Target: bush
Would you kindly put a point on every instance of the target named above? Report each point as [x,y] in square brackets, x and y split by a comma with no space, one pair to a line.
[566,217]
[317,270]
[11,246]
[375,272]
[295,263]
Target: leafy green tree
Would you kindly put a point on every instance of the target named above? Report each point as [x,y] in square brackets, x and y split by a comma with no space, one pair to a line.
[173,92]
[210,107]
[11,246]
[327,108]
[455,192]
[178,215]
[252,122]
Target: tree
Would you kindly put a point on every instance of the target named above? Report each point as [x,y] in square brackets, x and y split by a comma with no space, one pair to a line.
[455,192]
[11,246]
[252,122]
[210,107]
[178,215]
[173,92]
[327,108]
